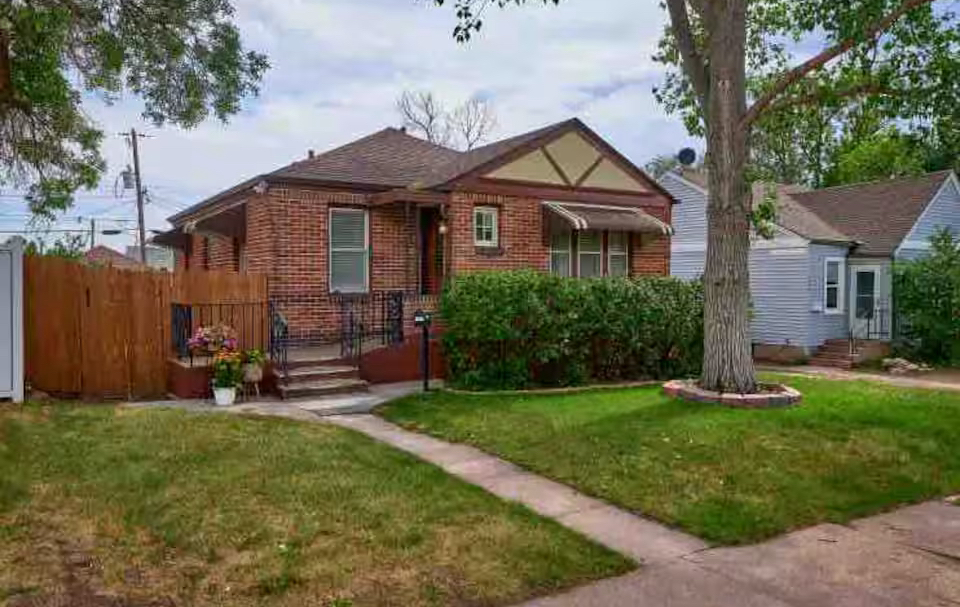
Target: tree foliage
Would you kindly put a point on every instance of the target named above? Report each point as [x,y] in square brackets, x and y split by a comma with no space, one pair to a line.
[184,58]
[69,246]
[928,302]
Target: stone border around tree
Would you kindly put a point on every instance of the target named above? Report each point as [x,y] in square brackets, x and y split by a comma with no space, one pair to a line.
[774,395]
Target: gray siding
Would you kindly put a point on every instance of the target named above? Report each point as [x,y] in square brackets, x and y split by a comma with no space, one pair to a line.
[822,326]
[942,212]
[689,219]
[778,290]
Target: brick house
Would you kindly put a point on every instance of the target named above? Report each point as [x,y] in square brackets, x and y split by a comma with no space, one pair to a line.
[391,213]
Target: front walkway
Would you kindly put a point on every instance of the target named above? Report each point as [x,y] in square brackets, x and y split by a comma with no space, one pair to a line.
[935,381]
[619,530]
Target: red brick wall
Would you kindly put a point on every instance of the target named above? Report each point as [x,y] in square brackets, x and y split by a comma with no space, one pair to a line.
[649,254]
[521,241]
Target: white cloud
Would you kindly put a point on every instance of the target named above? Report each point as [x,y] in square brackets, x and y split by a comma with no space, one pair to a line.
[338,66]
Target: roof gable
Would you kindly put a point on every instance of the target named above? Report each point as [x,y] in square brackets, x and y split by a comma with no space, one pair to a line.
[878,214]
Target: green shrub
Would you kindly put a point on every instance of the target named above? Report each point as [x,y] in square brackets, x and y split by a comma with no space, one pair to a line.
[927,299]
[526,328]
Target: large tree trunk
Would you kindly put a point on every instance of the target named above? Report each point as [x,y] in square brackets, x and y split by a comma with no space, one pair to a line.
[727,357]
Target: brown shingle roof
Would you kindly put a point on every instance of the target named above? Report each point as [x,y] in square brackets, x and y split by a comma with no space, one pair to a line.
[105,256]
[387,158]
[878,214]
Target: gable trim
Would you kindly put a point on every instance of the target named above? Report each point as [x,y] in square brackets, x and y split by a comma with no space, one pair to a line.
[909,241]
[556,166]
[586,174]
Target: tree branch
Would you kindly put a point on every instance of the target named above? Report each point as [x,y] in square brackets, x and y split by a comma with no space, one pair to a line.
[792,76]
[691,57]
[866,88]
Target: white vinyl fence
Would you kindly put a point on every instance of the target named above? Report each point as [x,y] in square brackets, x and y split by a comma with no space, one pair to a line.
[11,320]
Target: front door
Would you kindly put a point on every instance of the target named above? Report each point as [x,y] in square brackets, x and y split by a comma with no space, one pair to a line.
[864,320]
[431,251]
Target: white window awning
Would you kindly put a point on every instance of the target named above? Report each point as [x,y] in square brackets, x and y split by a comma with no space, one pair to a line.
[583,216]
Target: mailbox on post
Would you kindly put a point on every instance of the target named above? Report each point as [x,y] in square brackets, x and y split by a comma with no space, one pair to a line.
[424,320]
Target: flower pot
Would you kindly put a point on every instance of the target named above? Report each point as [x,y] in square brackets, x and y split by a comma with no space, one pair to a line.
[224,396]
[252,373]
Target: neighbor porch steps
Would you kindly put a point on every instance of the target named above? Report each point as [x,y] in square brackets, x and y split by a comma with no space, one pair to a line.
[318,378]
[836,353]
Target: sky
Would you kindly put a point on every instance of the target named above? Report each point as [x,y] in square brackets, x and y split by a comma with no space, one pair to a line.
[337,67]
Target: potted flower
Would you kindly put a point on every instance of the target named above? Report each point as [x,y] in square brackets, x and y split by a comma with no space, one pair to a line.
[227,375]
[208,341]
[253,361]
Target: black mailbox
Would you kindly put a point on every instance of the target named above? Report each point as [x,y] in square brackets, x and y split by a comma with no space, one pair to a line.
[423,320]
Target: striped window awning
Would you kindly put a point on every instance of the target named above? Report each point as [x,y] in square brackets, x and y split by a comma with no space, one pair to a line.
[582,216]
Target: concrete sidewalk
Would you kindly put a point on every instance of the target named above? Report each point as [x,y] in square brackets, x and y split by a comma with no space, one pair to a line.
[907,557]
[639,538]
[920,381]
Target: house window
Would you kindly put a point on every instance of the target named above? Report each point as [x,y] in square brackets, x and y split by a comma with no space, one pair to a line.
[617,254]
[348,250]
[561,258]
[590,254]
[833,285]
[485,220]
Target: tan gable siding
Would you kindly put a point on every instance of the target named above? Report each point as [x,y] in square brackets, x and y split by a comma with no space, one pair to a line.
[532,167]
[611,177]
[574,155]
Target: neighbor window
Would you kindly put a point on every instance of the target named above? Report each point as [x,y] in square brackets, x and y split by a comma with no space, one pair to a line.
[590,254]
[485,226]
[617,254]
[348,250]
[833,285]
[560,254]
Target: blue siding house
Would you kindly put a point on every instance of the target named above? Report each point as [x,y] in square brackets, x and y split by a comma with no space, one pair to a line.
[821,286]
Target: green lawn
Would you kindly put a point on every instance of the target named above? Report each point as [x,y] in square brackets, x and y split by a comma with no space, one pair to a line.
[206,509]
[727,475]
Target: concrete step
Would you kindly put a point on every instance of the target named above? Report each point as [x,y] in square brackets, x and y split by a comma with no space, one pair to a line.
[317,372]
[839,363]
[323,387]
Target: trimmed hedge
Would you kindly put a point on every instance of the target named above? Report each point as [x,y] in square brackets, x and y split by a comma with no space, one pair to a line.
[516,329]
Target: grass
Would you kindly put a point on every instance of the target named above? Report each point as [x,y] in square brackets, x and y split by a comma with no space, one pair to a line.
[215,509]
[730,476]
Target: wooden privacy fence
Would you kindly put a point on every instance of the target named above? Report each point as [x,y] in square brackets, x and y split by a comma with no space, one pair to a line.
[101,332]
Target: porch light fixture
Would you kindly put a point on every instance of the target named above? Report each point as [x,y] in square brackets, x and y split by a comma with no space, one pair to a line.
[442,228]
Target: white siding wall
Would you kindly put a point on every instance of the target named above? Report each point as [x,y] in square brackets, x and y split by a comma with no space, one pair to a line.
[942,212]
[11,320]
[778,290]
[821,326]
[688,244]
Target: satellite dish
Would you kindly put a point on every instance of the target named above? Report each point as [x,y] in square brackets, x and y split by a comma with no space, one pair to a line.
[687,156]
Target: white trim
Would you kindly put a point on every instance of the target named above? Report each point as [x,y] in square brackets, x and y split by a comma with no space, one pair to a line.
[877,270]
[580,224]
[841,284]
[686,182]
[951,179]
[14,248]
[366,247]
[493,212]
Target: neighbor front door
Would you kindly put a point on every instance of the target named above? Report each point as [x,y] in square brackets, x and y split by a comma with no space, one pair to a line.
[865,297]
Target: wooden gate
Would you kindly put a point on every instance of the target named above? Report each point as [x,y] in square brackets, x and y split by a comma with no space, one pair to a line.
[101,332]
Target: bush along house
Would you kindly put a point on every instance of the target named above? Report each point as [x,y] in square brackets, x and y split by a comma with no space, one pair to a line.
[821,287]
[355,239]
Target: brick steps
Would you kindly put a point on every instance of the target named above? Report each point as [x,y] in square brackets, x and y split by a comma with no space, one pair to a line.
[319,378]
[835,353]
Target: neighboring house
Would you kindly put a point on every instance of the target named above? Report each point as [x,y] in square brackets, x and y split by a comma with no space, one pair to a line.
[390,213]
[158,258]
[826,274]
[101,255]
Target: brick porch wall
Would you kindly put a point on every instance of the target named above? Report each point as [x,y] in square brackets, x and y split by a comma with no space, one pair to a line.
[521,237]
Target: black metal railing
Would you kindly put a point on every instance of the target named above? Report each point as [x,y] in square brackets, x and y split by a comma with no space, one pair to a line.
[249,321]
[279,336]
[871,324]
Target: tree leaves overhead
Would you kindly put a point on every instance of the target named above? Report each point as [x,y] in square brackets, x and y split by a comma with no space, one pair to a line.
[183,58]
[908,75]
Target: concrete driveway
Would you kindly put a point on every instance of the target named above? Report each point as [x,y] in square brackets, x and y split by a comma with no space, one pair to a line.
[907,557]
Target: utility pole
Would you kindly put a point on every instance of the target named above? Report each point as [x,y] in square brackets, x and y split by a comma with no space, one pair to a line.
[136,174]
[93,233]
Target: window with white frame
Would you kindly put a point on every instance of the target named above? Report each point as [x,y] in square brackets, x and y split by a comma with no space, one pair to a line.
[833,278]
[349,250]
[617,254]
[590,254]
[561,255]
[485,220]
